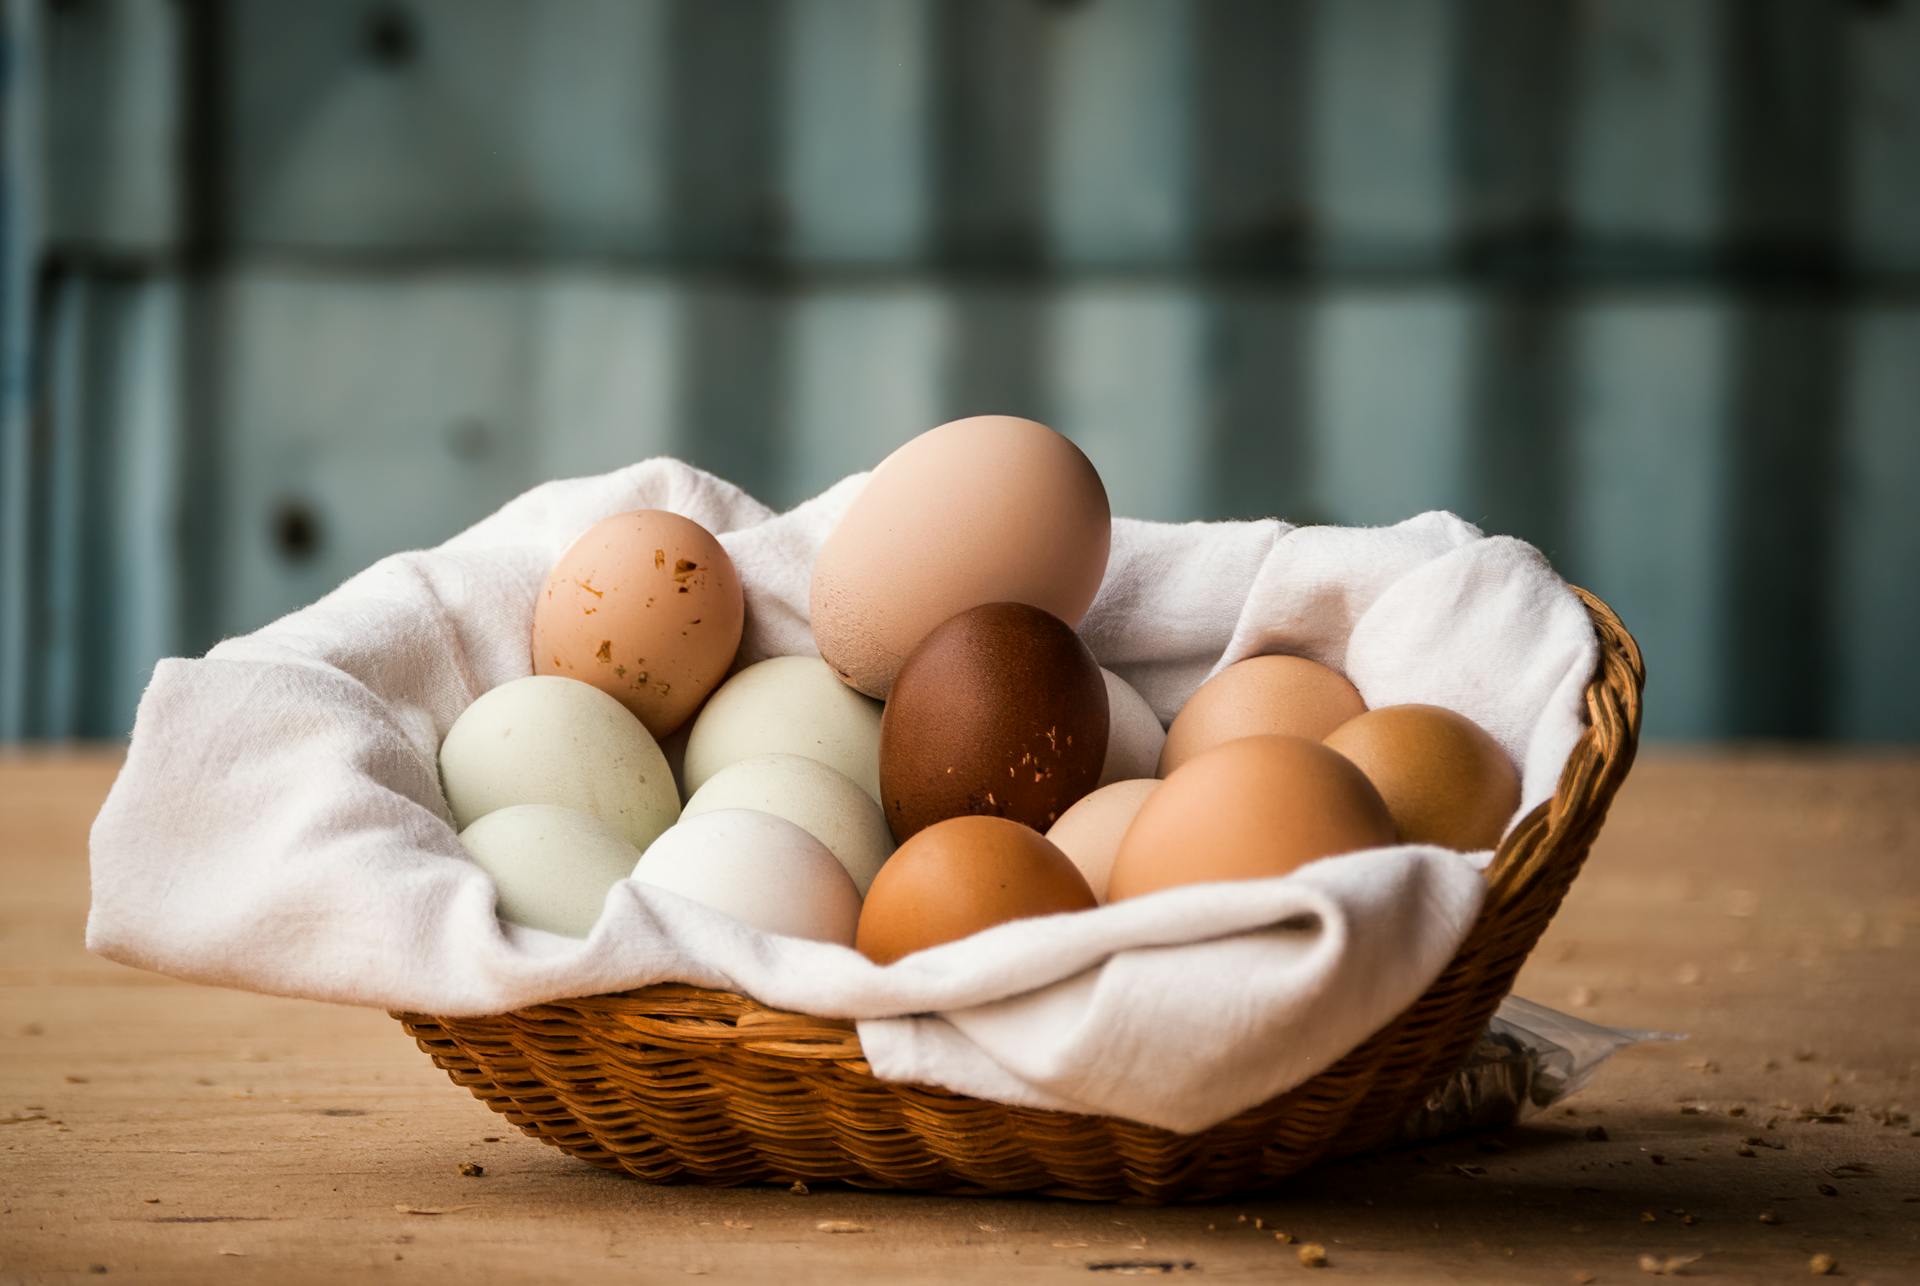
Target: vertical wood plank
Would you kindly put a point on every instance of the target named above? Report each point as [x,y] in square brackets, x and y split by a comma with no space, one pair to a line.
[1882,91]
[606,360]
[1380,147]
[854,129]
[723,71]
[1117,154]
[1647,523]
[1647,127]
[364,415]
[989,85]
[21,158]
[731,414]
[866,374]
[447,125]
[1874,630]
[114,121]
[1250,123]
[136,564]
[1389,404]
[1128,388]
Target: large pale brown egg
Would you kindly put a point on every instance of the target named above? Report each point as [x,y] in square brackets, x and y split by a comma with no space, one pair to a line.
[1253,808]
[1000,711]
[645,606]
[1445,780]
[992,509]
[1260,696]
[959,877]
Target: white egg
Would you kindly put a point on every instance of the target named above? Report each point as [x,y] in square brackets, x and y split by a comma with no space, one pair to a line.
[758,868]
[551,740]
[551,866]
[1134,734]
[820,801]
[790,705]
[1089,832]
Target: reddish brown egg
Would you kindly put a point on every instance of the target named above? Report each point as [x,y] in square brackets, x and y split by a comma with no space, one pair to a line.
[1445,780]
[1001,711]
[1260,696]
[960,876]
[645,606]
[1253,808]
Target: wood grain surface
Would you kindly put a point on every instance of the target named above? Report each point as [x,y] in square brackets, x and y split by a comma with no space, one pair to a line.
[1766,902]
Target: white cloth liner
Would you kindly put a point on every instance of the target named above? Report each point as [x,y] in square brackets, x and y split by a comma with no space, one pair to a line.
[278,825]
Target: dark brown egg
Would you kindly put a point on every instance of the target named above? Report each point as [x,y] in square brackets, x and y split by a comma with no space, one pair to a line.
[1001,712]
[1445,779]
[1253,808]
[960,876]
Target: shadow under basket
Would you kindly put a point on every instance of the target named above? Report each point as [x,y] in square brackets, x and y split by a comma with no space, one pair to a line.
[676,1084]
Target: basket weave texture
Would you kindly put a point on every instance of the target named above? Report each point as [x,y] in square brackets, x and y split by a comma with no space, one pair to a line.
[675,1084]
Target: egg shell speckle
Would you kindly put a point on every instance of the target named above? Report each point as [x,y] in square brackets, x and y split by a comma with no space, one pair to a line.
[647,607]
[1000,711]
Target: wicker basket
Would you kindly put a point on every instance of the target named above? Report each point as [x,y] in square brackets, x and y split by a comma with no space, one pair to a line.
[679,1085]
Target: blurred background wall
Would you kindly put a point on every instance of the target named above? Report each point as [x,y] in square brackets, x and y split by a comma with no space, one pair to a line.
[291,284]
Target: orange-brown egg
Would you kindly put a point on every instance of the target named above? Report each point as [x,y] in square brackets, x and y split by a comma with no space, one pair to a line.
[645,606]
[1445,780]
[1253,808]
[960,876]
[1260,696]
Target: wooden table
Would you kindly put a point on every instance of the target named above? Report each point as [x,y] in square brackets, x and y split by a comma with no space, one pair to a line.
[1766,902]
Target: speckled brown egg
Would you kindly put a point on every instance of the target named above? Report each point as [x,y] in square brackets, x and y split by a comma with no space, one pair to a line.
[1445,780]
[645,606]
[960,876]
[991,509]
[1253,808]
[1260,696]
[1000,711]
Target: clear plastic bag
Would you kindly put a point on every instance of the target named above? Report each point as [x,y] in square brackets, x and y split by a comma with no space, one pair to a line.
[1529,1058]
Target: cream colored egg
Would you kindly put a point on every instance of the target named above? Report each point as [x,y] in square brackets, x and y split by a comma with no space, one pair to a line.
[551,866]
[758,868]
[789,705]
[1089,832]
[820,801]
[551,740]
[1134,734]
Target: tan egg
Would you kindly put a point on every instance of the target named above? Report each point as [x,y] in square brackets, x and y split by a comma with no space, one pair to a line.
[992,509]
[1261,696]
[1089,832]
[960,876]
[1248,810]
[1445,780]
[646,607]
